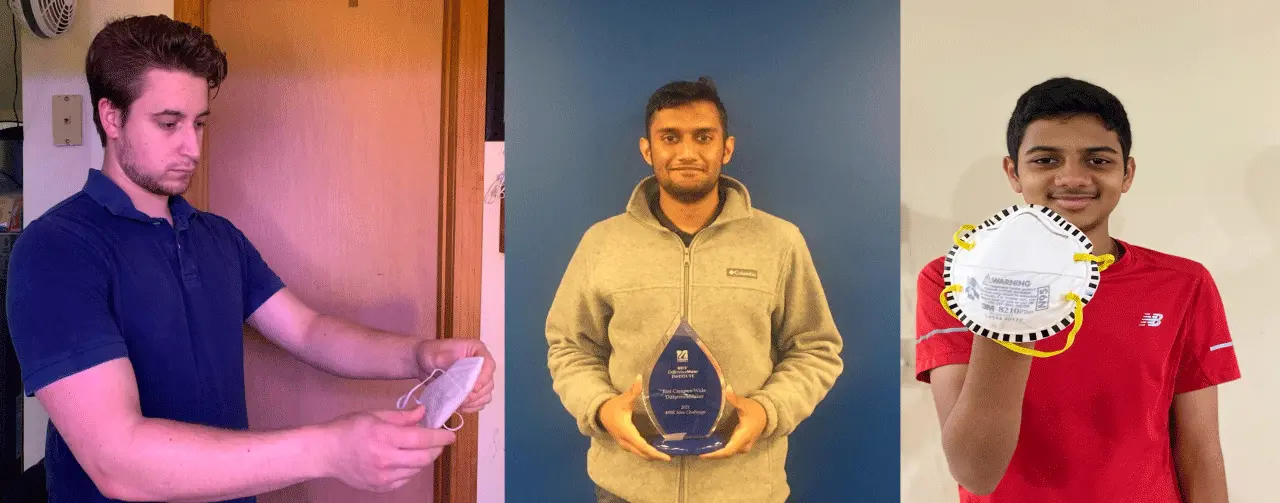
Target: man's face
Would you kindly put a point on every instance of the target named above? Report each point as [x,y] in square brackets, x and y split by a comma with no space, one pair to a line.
[1074,166]
[159,143]
[686,147]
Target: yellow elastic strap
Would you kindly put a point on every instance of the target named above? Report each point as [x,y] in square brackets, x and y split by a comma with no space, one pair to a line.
[1104,261]
[960,242]
[942,297]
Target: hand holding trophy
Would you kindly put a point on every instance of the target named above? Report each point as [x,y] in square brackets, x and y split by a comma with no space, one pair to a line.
[615,416]
[751,423]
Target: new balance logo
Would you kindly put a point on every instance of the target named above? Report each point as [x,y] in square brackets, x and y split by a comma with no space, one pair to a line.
[1151,320]
[682,355]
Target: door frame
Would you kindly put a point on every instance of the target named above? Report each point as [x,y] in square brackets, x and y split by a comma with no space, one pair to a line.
[461,231]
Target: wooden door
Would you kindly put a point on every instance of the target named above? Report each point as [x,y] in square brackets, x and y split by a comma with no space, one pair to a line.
[341,145]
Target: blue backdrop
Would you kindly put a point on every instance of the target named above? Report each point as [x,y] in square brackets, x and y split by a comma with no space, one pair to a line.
[812,94]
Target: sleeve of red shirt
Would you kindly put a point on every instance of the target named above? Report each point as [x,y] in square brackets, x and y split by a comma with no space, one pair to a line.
[940,338]
[1208,353]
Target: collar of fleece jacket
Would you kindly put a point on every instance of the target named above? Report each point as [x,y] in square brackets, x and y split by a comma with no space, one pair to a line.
[737,204]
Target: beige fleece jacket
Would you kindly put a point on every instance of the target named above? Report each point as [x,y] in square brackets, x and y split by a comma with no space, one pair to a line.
[754,299]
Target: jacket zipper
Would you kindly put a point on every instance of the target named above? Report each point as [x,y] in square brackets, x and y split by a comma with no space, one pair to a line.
[685,309]
[682,494]
[687,291]
[684,313]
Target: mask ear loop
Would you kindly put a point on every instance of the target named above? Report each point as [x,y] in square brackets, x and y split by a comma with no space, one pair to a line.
[1104,261]
[960,242]
[461,422]
[404,399]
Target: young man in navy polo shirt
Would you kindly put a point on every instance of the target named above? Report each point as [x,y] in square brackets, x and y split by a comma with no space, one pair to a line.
[126,307]
[1130,412]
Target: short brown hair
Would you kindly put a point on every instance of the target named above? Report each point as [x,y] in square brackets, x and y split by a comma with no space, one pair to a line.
[126,48]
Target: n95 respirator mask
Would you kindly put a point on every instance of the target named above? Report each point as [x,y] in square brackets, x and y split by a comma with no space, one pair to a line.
[444,391]
[1021,276]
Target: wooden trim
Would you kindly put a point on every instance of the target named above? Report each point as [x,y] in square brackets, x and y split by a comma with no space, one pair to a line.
[196,12]
[462,116]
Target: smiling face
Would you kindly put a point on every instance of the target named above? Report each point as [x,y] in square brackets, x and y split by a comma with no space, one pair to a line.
[157,144]
[1075,166]
[686,147]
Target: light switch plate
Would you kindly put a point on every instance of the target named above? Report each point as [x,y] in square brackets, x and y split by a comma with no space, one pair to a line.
[68,120]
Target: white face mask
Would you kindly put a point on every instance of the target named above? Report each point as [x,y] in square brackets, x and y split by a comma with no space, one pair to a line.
[1024,275]
[444,394]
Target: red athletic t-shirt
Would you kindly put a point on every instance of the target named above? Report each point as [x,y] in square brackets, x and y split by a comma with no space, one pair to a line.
[1095,419]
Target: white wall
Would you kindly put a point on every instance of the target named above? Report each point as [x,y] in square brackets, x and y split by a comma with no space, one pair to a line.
[1200,84]
[51,173]
[492,464]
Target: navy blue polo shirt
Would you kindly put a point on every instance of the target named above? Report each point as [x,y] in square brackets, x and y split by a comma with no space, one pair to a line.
[94,279]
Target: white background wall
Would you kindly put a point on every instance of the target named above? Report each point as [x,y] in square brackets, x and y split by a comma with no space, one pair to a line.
[51,173]
[1202,88]
[492,464]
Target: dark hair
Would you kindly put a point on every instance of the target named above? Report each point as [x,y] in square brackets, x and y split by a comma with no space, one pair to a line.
[683,92]
[127,48]
[1064,97]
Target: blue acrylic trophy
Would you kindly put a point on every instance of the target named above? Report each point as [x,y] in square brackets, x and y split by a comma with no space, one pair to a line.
[684,395]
